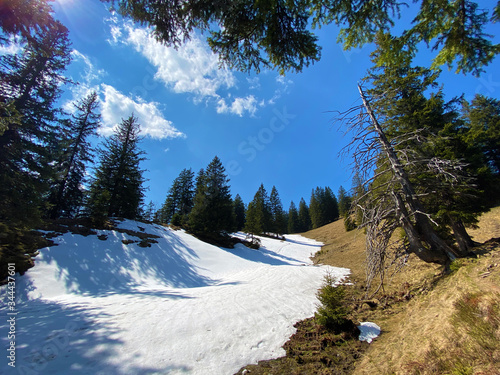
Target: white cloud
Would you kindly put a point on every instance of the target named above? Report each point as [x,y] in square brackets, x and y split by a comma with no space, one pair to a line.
[13,46]
[192,68]
[254,83]
[284,88]
[116,106]
[90,72]
[239,106]
[86,82]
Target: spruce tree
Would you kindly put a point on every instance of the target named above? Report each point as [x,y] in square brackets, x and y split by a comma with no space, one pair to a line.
[278,223]
[344,202]
[180,197]
[239,212]
[293,219]
[212,214]
[67,193]
[331,205]
[31,82]
[304,217]
[117,187]
[259,216]
[171,205]
[315,209]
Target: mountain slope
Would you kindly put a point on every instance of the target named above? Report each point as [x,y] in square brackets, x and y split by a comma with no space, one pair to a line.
[102,304]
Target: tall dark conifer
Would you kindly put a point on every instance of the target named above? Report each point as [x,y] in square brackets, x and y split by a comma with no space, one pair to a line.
[278,223]
[117,188]
[293,219]
[30,86]
[259,216]
[212,213]
[304,217]
[180,197]
[344,202]
[67,193]
[239,212]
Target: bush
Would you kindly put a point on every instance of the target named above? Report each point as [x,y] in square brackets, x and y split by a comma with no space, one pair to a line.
[332,314]
[176,220]
[349,223]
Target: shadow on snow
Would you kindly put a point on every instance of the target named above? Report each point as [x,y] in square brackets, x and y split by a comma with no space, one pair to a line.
[57,339]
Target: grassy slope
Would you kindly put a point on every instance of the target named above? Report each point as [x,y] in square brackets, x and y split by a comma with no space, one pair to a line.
[431,323]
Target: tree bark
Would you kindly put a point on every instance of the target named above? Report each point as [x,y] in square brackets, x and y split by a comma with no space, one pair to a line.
[464,241]
[409,206]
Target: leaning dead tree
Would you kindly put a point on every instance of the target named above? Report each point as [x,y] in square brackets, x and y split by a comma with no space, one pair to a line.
[390,200]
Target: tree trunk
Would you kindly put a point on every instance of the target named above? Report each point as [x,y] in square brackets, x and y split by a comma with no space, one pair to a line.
[409,206]
[464,241]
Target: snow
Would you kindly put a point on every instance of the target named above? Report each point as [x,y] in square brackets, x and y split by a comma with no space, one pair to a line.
[180,306]
[369,331]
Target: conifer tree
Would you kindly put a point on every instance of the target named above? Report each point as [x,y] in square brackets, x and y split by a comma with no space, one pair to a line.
[331,205]
[180,198]
[344,202]
[259,216]
[150,212]
[278,223]
[304,217]
[323,207]
[212,214]
[315,209]
[293,219]
[239,212]
[117,187]
[67,193]
[30,86]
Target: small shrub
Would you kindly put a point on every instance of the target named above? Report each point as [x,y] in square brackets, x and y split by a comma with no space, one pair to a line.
[332,313]
[349,223]
[456,265]
[176,220]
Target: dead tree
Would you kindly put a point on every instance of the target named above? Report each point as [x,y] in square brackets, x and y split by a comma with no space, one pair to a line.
[391,201]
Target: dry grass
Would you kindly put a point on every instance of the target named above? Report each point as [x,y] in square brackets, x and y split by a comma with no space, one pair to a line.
[423,335]
[489,226]
[428,319]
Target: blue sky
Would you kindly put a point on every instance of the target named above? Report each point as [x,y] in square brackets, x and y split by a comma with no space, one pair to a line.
[265,128]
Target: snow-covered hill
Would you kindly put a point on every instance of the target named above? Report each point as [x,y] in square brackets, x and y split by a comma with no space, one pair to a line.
[181,306]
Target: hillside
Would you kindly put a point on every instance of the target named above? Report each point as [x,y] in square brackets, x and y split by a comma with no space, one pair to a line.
[431,323]
[145,299]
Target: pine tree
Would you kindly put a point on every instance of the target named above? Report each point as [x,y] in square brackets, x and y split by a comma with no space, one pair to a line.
[118,175]
[293,219]
[149,212]
[331,205]
[31,82]
[259,216]
[180,198]
[304,217]
[315,209]
[239,212]
[25,18]
[212,214]
[67,193]
[344,202]
[323,207]
[278,223]
[171,205]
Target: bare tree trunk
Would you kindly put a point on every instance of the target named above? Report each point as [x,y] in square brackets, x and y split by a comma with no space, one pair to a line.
[464,241]
[409,206]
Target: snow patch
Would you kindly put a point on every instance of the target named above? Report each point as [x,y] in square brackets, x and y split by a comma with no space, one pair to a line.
[369,331]
[180,306]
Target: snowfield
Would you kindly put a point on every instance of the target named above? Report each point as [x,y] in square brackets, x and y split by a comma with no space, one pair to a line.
[181,306]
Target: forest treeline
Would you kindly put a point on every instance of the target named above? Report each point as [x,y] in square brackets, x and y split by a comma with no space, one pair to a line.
[203,205]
